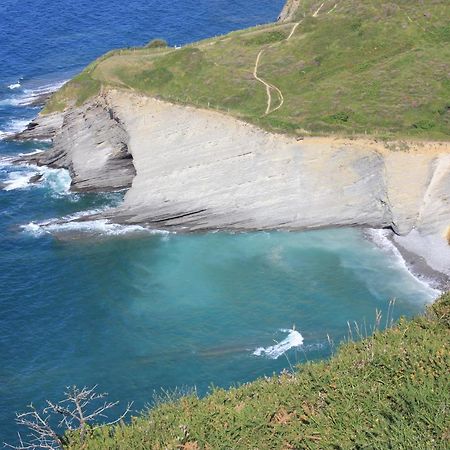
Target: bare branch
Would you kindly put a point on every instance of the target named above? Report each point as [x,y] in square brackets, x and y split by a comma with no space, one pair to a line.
[125,413]
[73,414]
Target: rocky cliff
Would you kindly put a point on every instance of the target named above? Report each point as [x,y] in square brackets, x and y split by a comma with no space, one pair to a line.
[289,10]
[90,141]
[192,169]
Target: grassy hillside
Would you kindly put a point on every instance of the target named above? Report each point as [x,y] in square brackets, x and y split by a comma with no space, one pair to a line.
[388,391]
[359,66]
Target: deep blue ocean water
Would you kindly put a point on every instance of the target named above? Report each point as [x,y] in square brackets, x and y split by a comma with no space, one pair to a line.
[133,312]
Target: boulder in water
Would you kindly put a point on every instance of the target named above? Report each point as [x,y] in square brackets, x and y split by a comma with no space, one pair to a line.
[36,178]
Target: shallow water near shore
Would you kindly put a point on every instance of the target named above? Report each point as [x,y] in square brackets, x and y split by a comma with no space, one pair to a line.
[136,311]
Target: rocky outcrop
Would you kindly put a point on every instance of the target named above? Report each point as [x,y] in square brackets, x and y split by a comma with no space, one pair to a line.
[90,142]
[288,12]
[42,128]
[196,170]
[203,170]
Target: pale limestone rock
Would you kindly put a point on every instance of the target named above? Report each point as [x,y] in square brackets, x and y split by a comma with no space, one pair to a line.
[194,169]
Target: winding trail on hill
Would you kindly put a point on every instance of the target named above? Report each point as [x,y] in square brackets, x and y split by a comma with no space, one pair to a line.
[267,85]
[318,10]
[270,86]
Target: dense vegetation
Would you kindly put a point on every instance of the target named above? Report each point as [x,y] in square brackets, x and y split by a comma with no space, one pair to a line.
[389,390]
[360,66]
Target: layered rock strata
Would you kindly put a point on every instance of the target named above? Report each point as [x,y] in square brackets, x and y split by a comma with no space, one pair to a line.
[195,170]
[90,141]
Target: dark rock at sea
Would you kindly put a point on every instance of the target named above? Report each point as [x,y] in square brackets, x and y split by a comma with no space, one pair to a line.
[38,178]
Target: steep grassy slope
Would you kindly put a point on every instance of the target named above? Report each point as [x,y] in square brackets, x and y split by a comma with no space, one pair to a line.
[350,66]
[388,391]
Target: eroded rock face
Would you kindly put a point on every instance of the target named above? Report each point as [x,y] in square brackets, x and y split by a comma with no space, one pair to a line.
[192,169]
[198,169]
[42,128]
[289,10]
[90,142]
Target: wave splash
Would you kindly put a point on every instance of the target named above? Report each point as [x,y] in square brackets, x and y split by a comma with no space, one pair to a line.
[57,180]
[18,180]
[14,86]
[13,127]
[380,238]
[72,225]
[293,339]
[29,97]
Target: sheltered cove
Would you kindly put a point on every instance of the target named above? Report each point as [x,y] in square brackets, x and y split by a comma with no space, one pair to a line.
[191,169]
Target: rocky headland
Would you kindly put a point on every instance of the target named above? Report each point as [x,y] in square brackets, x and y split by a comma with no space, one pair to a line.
[189,169]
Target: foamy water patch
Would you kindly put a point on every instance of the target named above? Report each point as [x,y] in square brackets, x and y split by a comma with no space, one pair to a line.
[13,127]
[381,239]
[80,224]
[28,97]
[17,180]
[294,339]
[56,180]
[14,86]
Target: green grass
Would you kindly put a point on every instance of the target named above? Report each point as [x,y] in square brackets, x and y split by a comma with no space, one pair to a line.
[372,67]
[388,391]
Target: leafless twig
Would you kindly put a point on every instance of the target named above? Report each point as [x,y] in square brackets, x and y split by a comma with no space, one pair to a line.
[77,412]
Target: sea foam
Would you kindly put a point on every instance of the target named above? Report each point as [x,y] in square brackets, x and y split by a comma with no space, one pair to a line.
[28,97]
[99,227]
[57,180]
[293,339]
[381,239]
[12,127]
[14,86]
[79,223]
[34,152]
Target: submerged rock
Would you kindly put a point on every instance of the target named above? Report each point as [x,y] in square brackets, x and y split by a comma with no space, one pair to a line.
[38,178]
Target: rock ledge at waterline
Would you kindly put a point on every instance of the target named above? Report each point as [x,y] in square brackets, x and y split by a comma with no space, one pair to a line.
[192,169]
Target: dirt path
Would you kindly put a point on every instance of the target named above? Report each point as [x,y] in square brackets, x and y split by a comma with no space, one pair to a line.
[332,9]
[270,86]
[318,10]
[267,85]
[293,29]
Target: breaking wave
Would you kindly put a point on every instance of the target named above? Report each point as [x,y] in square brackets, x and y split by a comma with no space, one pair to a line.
[28,97]
[57,180]
[74,224]
[293,339]
[380,238]
[12,127]
[14,86]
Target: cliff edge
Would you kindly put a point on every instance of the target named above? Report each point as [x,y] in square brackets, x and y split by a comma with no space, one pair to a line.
[241,155]
[193,169]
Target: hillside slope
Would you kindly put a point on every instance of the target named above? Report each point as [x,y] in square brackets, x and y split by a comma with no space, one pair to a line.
[338,66]
[388,391]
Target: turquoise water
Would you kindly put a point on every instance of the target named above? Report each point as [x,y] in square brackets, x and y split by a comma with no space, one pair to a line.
[136,312]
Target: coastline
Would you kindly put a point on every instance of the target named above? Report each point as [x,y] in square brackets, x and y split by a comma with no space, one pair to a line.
[415,263]
[204,170]
[420,268]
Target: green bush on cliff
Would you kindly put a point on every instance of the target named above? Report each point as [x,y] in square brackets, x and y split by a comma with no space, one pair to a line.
[385,62]
[157,43]
[388,391]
